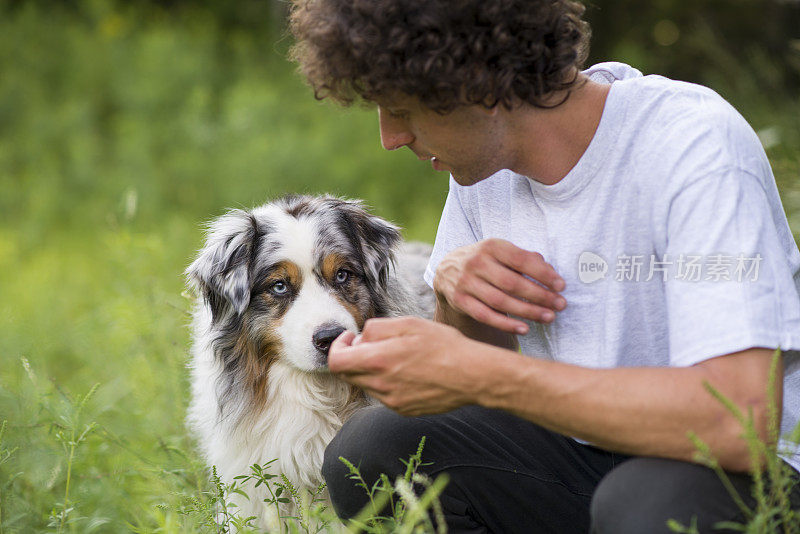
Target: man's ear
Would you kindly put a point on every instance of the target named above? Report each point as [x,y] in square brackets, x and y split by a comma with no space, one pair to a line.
[221,272]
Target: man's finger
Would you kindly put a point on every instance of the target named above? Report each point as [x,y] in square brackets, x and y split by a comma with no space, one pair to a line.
[344,358]
[484,314]
[345,339]
[381,328]
[374,386]
[497,276]
[526,262]
[357,359]
[504,303]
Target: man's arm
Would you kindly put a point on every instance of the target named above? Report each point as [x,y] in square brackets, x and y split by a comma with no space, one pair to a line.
[417,367]
[471,328]
[642,411]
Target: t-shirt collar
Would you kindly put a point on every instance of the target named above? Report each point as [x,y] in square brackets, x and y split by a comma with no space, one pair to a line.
[592,159]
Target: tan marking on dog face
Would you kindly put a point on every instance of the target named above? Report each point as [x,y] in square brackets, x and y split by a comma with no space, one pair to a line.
[259,340]
[353,310]
[285,271]
[331,264]
[258,345]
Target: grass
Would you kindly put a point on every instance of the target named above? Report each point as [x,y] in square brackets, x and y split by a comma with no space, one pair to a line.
[71,434]
[409,504]
[120,131]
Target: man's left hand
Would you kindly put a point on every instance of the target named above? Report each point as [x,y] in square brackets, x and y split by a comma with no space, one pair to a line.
[413,366]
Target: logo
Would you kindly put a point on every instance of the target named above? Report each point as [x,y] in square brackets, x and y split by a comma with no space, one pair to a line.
[591,267]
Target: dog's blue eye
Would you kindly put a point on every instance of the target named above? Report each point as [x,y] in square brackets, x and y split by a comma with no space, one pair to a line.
[342,276]
[279,288]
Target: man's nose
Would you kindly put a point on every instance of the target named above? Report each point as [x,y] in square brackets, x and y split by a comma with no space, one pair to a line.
[394,131]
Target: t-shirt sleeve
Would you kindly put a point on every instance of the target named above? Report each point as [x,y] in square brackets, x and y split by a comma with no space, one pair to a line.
[731,286]
[455,230]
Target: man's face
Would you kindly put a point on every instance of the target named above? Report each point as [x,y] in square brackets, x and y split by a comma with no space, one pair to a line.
[467,142]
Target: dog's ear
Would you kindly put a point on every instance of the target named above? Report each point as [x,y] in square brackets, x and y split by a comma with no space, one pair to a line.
[221,271]
[375,240]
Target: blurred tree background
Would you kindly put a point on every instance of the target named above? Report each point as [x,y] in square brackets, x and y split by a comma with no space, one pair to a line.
[124,125]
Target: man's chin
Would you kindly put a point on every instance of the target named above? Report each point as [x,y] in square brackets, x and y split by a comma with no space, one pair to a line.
[468,179]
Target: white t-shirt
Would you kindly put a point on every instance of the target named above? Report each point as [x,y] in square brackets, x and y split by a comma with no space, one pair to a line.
[669,233]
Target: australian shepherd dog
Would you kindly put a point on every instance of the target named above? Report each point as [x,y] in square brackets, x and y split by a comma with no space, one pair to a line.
[276,285]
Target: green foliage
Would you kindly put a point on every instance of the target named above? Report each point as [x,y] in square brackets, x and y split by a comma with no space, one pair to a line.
[676,526]
[731,45]
[410,510]
[130,121]
[407,512]
[71,432]
[123,125]
[5,456]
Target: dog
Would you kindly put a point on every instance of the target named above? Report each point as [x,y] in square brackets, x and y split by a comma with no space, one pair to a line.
[275,286]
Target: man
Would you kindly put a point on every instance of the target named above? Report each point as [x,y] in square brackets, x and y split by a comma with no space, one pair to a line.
[627,237]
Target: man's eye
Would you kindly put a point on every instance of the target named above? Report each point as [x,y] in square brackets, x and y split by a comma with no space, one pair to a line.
[342,276]
[397,114]
[279,288]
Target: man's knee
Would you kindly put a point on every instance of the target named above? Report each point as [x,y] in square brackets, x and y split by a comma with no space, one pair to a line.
[642,494]
[375,440]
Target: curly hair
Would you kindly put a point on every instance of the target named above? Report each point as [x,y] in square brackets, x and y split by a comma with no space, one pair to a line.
[446,53]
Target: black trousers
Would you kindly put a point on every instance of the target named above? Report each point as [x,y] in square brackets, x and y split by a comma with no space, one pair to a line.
[508,475]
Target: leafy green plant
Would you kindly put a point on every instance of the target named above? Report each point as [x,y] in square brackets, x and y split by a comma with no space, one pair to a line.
[408,505]
[71,432]
[5,456]
[408,511]
[309,509]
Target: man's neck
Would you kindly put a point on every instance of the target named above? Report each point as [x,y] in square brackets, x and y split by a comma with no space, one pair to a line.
[549,142]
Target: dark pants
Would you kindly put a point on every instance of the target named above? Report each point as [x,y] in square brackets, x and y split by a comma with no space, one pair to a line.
[509,475]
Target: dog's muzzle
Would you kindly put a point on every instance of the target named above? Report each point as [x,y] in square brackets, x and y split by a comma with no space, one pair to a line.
[324,336]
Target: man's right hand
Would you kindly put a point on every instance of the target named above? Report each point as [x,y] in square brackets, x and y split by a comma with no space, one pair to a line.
[493,278]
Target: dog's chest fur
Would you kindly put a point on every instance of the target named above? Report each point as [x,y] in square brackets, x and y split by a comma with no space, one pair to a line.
[301,416]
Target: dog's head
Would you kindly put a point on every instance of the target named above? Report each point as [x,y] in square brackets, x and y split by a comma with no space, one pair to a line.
[284,279]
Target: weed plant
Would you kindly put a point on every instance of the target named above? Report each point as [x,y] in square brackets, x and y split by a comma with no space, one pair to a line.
[122,125]
[408,505]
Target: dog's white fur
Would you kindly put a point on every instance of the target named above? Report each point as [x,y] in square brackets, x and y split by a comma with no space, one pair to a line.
[303,406]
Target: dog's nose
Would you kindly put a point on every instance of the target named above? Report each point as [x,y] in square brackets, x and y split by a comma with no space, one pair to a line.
[324,336]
